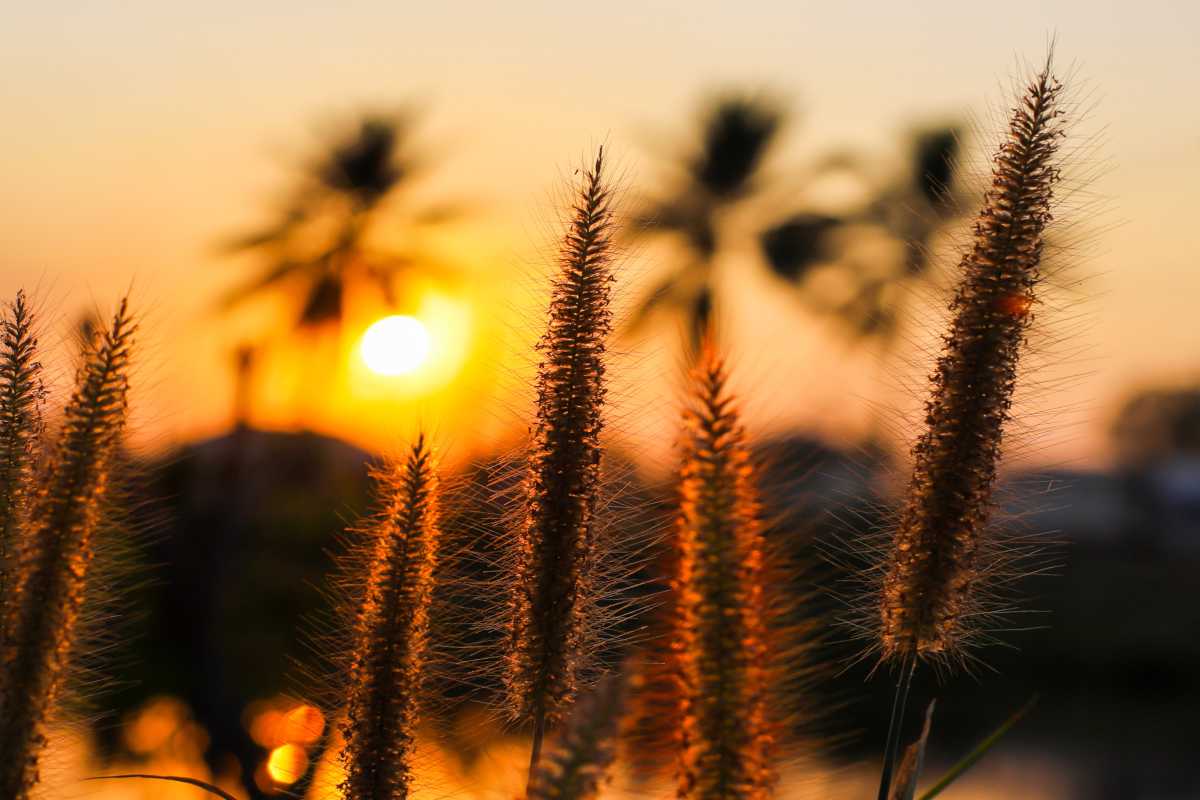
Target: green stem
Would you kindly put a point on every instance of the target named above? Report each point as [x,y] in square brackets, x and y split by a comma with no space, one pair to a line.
[895,725]
[539,733]
[980,750]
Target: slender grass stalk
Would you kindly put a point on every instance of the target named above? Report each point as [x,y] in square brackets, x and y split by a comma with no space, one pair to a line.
[912,763]
[979,751]
[20,425]
[41,613]
[553,588]
[387,667]
[930,598]
[215,791]
[895,727]
[930,585]
[578,766]
[720,645]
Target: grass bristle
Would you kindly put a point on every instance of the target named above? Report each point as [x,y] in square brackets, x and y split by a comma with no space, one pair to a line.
[21,393]
[53,554]
[720,651]
[928,603]
[552,592]
[387,668]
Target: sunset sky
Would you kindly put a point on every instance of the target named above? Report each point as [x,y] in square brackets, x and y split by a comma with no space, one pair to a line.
[136,134]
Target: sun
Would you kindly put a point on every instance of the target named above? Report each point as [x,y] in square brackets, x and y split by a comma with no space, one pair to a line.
[395,345]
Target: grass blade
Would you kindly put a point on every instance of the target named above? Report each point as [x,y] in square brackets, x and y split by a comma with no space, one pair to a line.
[980,751]
[905,787]
[208,787]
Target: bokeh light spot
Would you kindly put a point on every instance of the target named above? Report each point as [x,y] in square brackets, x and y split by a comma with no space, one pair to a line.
[287,763]
[304,724]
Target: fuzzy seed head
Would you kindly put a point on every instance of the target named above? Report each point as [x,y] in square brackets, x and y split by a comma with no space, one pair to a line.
[930,586]
[720,650]
[391,632]
[52,558]
[21,394]
[555,541]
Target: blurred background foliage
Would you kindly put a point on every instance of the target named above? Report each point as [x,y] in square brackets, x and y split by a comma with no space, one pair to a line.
[323,240]
[728,171]
[252,516]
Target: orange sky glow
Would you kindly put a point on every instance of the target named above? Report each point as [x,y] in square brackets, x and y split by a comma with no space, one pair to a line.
[136,135]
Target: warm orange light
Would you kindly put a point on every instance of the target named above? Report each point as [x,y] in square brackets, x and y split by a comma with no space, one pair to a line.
[304,724]
[287,763]
[395,345]
[151,728]
[264,726]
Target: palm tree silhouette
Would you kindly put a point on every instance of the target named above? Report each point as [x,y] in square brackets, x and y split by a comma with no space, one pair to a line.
[320,245]
[737,133]
[725,173]
[913,206]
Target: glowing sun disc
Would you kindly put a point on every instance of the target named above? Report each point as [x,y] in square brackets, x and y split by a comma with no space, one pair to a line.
[395,345]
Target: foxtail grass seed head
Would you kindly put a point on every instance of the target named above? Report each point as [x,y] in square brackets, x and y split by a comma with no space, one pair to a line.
[21,394]
[720,649]
[929,593]
[52,559]
[386,670]
[552,590]
[578,765]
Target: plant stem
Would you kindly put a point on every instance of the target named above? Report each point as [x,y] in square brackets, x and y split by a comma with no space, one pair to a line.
[539,733]
[895,726]
[980,750]
[199,784]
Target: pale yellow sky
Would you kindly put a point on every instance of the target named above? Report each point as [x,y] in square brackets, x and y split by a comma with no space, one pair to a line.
[133,134]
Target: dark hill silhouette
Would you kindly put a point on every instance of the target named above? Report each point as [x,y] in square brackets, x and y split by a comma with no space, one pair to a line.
[250,520]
